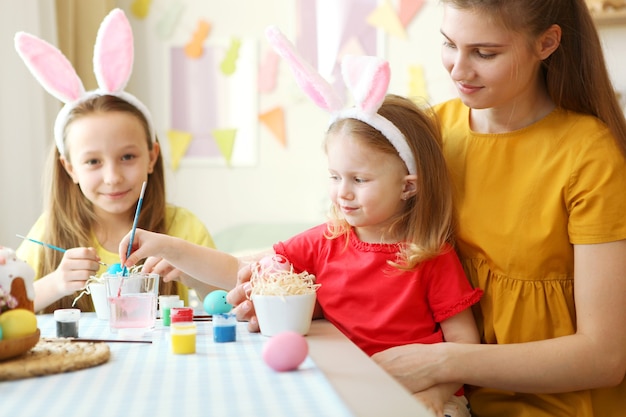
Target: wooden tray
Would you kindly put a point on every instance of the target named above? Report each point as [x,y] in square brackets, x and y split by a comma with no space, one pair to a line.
[15,347]
[53,356]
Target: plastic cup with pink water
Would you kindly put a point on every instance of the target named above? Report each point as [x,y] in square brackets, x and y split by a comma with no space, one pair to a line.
[132,302]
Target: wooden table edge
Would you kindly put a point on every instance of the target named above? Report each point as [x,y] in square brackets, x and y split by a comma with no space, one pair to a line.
[365,387]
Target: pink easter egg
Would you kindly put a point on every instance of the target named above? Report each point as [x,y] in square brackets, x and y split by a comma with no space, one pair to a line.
[274,263]
[285,351]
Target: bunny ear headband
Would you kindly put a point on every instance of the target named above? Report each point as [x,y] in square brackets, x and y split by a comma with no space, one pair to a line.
[367,77]
[112,62]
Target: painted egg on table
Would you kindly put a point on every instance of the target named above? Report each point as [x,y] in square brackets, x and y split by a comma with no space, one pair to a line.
[115,269]
[285,351]
[215,302]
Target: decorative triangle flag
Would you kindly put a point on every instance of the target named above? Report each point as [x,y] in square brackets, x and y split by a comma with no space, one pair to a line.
[225,140]
[408,10]
[274,120]
[352,47]
[385,17]
[179,143]
[268,72]
[417,84]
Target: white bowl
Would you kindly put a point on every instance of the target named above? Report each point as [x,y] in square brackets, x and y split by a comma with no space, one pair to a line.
[99,297]
[277,314]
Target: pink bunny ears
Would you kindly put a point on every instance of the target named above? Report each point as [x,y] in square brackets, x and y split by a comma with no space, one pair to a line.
[367,78]
[112,62]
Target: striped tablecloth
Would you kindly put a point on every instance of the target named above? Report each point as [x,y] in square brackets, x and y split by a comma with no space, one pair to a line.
[221,379]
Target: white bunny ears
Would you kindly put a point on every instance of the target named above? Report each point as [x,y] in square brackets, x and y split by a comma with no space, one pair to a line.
[367,77]
[112,62]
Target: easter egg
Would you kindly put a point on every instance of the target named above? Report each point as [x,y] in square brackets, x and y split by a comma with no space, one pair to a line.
[285,351]
[17,323]
[115,269]
[215,302]
[274,263]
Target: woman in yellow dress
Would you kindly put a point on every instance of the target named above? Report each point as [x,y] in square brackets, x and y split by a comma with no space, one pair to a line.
[536,146]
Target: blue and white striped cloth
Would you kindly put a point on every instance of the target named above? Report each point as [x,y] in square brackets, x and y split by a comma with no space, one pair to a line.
[220,379]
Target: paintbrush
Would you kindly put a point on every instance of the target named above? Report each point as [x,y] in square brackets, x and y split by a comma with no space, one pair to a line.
[132,235]
[48,245]
[73,339]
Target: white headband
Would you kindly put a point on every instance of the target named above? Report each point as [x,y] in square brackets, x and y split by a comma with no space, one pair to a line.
[384,126]
[367,77]
[112,62]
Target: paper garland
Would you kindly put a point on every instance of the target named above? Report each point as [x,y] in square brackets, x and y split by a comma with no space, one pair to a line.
[167,23]
[179,142]
[229,64]
[384,17]
[140,8]
[408,10]
[194,47]
[268,72]
[225,139]
[274,120]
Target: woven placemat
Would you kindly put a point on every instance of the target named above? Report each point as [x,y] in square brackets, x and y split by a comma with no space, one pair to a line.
[54,356]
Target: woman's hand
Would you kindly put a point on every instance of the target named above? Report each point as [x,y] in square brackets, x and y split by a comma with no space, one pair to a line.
[239,298]
[433,399]
[415,366]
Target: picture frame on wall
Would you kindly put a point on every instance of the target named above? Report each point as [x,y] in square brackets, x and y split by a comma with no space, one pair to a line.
[213,103]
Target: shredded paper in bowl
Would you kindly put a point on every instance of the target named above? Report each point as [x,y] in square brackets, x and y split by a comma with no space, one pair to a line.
[269,281]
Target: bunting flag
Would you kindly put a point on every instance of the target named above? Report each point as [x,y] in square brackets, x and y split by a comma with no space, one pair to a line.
[268,72]
[385,18]
[417,85]
[352,47]
[408,10]
[140,8]
[225,140]
[179,142]
[274,120]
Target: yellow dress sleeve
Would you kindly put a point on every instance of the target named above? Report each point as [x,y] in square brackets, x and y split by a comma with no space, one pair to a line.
[31,252]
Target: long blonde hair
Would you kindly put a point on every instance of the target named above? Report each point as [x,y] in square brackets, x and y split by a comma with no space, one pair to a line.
[70,216]
[426,223]
[576,74]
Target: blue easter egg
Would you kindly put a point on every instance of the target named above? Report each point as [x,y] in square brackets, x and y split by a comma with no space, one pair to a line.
[115,269]
[215,302]
[0,332]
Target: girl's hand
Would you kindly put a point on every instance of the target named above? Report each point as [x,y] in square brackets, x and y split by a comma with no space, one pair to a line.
[145,245]
[75,268]
[166,270]
[238,297]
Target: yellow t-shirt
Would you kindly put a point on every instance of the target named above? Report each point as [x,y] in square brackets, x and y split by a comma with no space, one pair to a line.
[180,223]
[524,198]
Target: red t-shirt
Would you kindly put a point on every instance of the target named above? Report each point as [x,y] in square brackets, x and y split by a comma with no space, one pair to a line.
[375,305]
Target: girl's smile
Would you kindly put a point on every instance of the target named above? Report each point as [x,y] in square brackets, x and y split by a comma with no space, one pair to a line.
[109,159]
